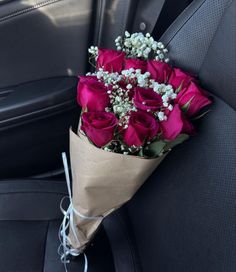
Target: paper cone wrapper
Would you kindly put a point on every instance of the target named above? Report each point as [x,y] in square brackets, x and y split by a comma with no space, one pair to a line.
[101,182]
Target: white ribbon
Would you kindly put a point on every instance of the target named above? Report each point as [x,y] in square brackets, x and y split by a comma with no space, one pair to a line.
[64,249]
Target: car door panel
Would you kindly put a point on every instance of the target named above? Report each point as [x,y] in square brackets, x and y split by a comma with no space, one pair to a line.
[34,122]
[43,45]
[43,49]
[42,39]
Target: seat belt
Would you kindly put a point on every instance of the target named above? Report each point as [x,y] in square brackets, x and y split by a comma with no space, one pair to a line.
[147,15]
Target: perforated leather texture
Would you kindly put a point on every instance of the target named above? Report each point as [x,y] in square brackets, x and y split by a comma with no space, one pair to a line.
[203,40]
[184,216]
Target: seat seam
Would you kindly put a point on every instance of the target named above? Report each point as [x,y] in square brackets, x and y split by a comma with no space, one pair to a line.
[178,30]
[210,43]
[197,9]
[130,244]
[27,10]
[45,246]
[70,103]
[28,180]
[34,192]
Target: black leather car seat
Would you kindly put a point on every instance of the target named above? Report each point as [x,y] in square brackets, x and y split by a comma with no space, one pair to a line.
[183,219]
[29,222]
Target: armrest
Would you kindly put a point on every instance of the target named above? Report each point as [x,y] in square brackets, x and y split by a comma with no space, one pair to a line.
[31,199]
[29,100]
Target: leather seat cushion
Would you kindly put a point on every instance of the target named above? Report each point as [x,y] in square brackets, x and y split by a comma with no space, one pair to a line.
[184,216]
[29,222]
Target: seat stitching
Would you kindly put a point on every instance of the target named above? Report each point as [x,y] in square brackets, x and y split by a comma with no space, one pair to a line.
[29,9]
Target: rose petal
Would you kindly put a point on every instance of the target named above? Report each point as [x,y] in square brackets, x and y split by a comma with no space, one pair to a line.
[172,127]
[159,70]
[99,127]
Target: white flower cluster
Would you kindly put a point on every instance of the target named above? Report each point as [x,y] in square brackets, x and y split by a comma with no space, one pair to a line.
[108,78]
[121,105]
[136,76]
[166,91]
[119,96]
[137,45]
[129,150]
[93,50]
[168,96]
[144,81]
[161,116]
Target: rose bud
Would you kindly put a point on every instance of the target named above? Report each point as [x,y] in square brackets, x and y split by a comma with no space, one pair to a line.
[192,99]
[179,78]
[92,94]
[136,64]
[142,127]
[175,124]
[99,127]
[159,70]
[147,99]
[110,60]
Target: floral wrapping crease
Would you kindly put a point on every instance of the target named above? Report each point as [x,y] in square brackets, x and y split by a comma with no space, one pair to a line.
[137,107]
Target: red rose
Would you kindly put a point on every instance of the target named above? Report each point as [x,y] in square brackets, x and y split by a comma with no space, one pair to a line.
[136,64]
[180,78]
[193,98]
[175,124]
[142,127]
[92,94]
[99,127]
[159,70]
[147,99]
[110,60]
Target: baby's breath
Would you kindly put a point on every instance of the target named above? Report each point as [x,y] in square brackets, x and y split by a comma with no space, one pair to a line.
[120,102]
[93,50]
[108,78]
[120,85]
[138,45]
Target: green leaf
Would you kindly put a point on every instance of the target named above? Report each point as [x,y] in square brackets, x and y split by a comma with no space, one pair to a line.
[201,115]
[178,89]
[186,106]
[154,149]
[171,144]
[140,153]
[107,145]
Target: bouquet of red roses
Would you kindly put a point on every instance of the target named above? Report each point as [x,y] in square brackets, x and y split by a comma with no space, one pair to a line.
[135,109]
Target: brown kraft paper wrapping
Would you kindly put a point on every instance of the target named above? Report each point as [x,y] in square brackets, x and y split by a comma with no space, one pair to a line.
[101,182]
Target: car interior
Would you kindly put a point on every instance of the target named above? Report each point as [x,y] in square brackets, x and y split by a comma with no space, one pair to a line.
[183,218]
